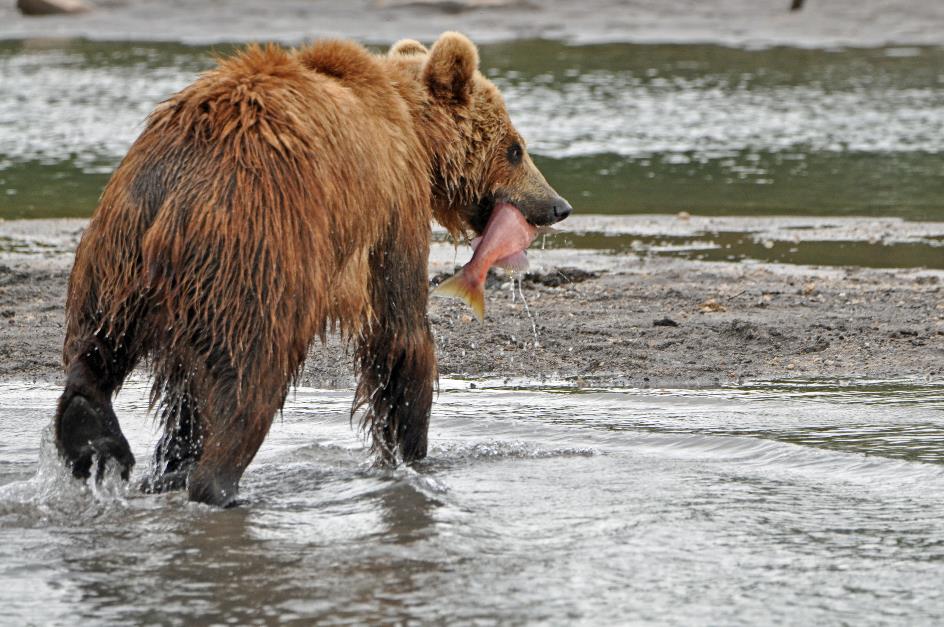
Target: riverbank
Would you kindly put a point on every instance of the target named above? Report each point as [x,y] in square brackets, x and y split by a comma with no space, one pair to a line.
[856,23]
[596,318]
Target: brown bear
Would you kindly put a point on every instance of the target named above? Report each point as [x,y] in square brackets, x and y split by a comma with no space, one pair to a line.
[283,195]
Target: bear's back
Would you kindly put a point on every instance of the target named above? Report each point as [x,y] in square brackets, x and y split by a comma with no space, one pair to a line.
[324,127]
[331,95]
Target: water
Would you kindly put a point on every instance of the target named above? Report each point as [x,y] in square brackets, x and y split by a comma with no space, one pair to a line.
[740,246]
[794,502]
[618,128]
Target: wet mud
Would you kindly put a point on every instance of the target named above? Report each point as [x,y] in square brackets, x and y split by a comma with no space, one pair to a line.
[584,318]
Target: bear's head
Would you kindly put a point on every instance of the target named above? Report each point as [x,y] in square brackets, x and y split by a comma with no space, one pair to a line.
[477,156]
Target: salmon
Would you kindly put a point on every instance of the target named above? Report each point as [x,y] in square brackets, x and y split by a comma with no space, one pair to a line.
[507,234]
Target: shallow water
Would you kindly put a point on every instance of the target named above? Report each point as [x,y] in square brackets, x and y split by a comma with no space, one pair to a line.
[779,503]
[741,246]
[618,128]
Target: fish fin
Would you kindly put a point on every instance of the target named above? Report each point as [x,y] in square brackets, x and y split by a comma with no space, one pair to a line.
[458,286]
[516,262]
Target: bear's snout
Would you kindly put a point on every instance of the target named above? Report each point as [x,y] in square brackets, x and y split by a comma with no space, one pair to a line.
[561,209]
[544,211]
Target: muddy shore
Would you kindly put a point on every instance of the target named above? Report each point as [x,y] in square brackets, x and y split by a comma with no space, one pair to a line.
[598,319]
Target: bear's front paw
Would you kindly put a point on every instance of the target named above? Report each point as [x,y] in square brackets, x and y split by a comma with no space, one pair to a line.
[85,436]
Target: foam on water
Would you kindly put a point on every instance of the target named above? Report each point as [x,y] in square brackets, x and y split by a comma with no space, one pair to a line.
[93,122]
[713,121]
[630,111]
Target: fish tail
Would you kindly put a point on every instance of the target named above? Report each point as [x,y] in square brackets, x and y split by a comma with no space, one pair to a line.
[459,286]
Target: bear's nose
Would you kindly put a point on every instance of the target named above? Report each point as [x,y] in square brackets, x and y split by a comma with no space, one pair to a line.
[562,209]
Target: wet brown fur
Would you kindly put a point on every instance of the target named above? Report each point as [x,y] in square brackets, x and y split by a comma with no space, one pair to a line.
[283,195]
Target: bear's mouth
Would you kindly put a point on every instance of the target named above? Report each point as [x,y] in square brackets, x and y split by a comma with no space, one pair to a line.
[541,214]
[481,211]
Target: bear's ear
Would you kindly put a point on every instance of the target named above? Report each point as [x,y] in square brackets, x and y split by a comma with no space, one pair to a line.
[407,48]
[450,68]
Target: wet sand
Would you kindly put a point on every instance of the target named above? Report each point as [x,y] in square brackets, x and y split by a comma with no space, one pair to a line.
[599,319]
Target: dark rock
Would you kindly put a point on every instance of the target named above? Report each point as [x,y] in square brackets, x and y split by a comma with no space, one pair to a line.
[562,276]
[52,7]
[818,346]
[903,333]
[665,322]
[492,280]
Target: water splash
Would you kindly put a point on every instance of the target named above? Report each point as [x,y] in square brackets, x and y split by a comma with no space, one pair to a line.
[55,493]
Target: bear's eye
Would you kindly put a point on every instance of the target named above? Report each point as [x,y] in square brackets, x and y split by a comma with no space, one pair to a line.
[515,153]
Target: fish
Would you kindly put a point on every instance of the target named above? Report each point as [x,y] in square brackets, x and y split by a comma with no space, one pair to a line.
[515,262]
[505,238]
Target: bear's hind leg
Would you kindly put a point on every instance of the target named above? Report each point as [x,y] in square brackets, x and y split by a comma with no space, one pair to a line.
[233,427]
[179,448]
[86,428]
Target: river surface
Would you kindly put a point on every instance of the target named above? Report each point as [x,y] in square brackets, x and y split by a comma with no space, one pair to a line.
[778,503]
[617,128]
